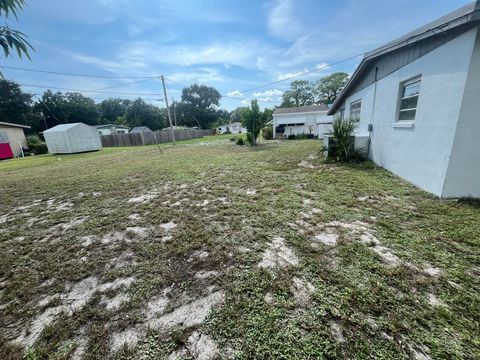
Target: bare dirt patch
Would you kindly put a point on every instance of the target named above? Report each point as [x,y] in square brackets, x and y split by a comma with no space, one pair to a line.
[278,255]
[302,291]
[201,346]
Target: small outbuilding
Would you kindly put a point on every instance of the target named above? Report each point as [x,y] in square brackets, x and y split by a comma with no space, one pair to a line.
[232,128]
[72,138]
[14,136]
[109,129]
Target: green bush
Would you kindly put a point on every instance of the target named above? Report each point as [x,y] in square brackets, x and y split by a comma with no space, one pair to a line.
[267,132]
[36,145]
[342,144]
[291,137]
[240,141]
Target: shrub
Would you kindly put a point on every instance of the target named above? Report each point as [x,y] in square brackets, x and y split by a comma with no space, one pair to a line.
[291,137]
[36,145]
[240,141]
[342,144]
[267,132]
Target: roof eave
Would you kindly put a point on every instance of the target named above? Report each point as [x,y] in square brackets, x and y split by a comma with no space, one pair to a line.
[473,16]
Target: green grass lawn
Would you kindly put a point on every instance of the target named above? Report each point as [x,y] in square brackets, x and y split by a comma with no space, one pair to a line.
[212,250]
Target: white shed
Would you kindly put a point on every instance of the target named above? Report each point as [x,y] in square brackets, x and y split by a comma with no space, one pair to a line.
[72,138]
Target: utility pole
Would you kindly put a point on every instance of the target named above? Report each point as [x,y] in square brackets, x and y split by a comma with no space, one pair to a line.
[168,109]
[175,112]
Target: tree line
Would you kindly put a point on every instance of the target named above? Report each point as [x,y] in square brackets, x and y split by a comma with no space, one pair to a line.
[198,107]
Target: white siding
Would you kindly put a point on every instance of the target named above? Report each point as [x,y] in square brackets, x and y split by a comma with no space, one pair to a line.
[419,154]
[463,175]
[315,123]
[72,138]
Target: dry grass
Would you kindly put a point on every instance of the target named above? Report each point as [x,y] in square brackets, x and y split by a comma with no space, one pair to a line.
[216,250]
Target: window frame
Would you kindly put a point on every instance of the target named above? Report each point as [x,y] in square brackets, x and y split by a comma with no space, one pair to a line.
[359,101]
[401,90]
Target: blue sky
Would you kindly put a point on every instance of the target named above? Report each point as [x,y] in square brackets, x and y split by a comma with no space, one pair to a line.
[231,45]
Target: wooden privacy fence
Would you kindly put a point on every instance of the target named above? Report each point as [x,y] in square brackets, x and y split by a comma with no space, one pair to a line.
[150,138]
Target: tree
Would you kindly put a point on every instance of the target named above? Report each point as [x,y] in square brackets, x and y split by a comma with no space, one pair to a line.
[329,87]
[114,110]
[82,109]
[301,93]
[142,114]
[15,105]
[253,120]
[66,108]
[13,39]
[198,106]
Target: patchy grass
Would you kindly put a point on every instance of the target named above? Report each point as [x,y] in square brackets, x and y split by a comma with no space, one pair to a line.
[217,250]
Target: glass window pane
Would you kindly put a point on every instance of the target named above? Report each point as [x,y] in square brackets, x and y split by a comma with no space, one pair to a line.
[411,89]
[409,103]
[407,115]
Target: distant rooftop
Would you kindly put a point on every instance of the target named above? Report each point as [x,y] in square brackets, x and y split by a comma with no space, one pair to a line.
[111,125]
[302,109]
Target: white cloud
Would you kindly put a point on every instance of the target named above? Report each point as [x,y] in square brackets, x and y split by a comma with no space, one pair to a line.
[234,93]
[245,102]
[272,92]
[201,75]
[282,22]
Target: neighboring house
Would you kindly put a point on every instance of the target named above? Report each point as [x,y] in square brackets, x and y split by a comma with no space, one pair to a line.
[72,138]
[14,135]
[416,99]
[233,128]
[109,129]
[141,129]
[309,120]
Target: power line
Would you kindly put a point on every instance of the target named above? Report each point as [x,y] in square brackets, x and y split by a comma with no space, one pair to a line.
[303,73]
[94,91]
[74,74]
[224,96]
[127,84]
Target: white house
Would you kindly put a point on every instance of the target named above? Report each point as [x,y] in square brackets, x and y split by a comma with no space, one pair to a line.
[109,129]
[72,138]
[416,99]
[14,135]
[234,128]
[309,120]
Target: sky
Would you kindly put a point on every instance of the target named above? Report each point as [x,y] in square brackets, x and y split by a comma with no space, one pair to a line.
[234,46]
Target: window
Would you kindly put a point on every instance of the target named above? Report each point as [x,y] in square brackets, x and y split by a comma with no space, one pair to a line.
[355,110]
[342,113]
[409,92]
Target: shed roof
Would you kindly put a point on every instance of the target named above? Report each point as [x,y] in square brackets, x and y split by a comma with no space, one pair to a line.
[302,109]
[2,123]
[467,14]
[63,127]
[111,125]
[140,129]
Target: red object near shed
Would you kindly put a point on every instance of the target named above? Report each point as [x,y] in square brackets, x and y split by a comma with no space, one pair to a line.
[5,151]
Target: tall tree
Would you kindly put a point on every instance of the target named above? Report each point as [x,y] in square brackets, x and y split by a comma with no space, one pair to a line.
[15,105]
[142,114]
[301,93]
[11,39]
[72,107]
[114,110]
[198,105]
[329,87]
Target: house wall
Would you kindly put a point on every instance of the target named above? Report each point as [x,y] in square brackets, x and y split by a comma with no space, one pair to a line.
[418,152]
[463,174]
[314,123]
[16,137]
[105,131]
